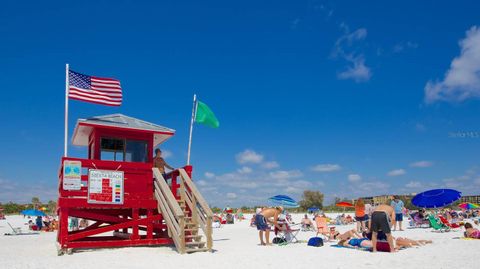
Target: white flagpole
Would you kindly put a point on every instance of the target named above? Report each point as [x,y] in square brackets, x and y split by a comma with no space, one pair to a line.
[194,112]
[65,145]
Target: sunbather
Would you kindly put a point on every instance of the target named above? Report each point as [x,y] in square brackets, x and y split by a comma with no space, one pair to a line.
[408,243]
[471,232]
[356,243]
[306,223]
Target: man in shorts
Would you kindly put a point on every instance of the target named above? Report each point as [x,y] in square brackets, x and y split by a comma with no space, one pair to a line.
[381,220]
[261,220]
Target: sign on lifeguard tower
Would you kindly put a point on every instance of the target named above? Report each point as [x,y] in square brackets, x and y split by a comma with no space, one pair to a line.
[72,177]
[105,187]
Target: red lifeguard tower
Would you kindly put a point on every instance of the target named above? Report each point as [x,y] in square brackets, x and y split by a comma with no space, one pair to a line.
[126,201]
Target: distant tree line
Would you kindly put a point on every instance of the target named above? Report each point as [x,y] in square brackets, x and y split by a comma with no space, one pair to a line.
[15,208]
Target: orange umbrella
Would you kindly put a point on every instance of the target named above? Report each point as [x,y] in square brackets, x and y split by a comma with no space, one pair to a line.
[344,204]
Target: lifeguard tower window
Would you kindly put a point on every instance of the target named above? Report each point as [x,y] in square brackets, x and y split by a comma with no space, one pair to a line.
[123,150]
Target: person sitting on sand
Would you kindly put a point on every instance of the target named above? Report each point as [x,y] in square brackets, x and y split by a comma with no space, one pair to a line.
[306,223]
[471,232]
[382,219]
[262,219]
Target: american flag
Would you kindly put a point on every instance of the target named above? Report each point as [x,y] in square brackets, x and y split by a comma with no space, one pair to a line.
[105,91]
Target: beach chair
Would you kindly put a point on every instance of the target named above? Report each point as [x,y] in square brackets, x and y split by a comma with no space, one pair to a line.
[437,226]
[18,231]
[447,223]
[288,233]
[322,228]
[418,222]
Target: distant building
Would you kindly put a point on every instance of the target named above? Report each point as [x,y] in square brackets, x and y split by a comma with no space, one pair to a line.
[470,199]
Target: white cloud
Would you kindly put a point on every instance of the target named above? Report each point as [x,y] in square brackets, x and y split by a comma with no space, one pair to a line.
[396,172]
[414,185]
[354,178]
[326,168]
[245,170]
[270,165]
[293,190]
[404,45]
[166,154]
[249,156]
[421,164]
[462,80]
[201,183]
[285,174]
[209,175]
[357,70]
[231,195]
[20,192]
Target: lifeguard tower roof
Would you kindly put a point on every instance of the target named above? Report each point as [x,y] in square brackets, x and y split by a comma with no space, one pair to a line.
[84,128]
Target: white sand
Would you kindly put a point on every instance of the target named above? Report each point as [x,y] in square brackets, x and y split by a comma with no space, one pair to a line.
[236,247]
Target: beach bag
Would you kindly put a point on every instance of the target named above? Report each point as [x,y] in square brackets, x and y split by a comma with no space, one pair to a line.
[315,242]
[279,240]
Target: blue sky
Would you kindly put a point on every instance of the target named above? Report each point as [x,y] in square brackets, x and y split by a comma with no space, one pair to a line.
[347,97]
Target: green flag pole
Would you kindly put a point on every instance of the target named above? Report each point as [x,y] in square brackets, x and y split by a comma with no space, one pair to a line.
[194,112]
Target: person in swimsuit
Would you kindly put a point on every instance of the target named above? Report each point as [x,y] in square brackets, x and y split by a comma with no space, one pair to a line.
[382,218]
[160,163]
[360,215]
[356,243]
[262,219]
[471,232]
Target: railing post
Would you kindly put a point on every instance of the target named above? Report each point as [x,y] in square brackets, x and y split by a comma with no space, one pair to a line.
[189,170]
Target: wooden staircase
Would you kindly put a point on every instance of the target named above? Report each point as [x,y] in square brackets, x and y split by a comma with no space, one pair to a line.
[189,220]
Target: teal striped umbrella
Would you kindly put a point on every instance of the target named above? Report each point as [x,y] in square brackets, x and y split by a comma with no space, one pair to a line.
[283,200]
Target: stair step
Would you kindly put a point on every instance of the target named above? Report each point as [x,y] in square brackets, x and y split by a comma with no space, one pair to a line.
[190,250]
[193,236]
[195,244]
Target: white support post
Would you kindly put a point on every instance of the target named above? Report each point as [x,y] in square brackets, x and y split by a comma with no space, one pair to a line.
[65,145]
[194,112]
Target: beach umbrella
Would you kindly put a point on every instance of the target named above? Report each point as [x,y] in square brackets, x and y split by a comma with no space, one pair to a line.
[436,198]
[313,209]
[32,212]
[283,200]
[468,205]
[344,204]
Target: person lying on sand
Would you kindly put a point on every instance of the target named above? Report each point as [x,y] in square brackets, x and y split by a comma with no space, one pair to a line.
[347,235]
[267,215]
[403,242]
[471,232]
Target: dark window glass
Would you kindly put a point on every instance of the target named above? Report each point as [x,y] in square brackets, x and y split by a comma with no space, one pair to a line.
[136,151]
[112,149]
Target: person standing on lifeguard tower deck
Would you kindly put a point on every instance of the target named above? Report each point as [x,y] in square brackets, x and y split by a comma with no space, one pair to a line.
[160,163]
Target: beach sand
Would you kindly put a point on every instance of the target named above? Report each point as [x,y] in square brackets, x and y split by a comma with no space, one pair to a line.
[236,246]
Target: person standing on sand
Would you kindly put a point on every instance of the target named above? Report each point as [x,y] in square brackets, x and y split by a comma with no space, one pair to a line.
[381,221]
[159,162]
[398,205]
[266,215]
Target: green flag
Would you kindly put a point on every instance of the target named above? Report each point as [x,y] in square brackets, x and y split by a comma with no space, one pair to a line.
[205,115]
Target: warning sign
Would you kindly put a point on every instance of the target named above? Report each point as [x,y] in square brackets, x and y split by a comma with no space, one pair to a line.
[72,177]
[105,187]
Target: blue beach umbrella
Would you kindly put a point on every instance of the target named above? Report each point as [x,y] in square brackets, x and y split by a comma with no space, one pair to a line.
[436,198]
[32,212]
[313,209]
[283,200]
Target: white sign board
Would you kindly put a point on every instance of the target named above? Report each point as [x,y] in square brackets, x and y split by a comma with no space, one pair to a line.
[72,175]
[105,187]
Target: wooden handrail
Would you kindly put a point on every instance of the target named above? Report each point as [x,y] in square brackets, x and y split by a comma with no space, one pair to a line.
[201,212]
[170,209]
